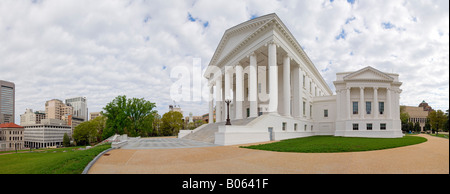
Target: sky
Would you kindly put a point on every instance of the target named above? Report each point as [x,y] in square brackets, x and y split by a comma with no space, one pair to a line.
[58,49]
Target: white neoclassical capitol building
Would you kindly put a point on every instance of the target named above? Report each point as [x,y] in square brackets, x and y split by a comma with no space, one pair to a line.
[277,93]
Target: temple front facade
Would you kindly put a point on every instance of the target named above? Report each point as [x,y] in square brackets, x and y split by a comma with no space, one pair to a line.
[275,92]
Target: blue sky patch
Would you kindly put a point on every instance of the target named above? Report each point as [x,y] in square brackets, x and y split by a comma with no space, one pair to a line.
[351,1]
[349,20]
[253,16]
[387,25]
[190,18]
[342,35]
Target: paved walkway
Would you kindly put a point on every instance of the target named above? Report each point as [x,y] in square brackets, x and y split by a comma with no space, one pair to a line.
[431,157]
[165,143]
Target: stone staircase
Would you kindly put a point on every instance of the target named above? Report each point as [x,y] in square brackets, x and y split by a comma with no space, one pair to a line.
[207,133]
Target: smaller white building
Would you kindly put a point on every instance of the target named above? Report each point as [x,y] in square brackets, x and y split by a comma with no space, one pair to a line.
[366,105]
[48,133]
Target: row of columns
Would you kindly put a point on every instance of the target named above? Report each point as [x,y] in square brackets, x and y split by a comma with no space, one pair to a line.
[253,88]
[362,106]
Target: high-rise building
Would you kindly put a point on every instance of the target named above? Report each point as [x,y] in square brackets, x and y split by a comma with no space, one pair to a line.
[7,100]
[79,105]
[56,109]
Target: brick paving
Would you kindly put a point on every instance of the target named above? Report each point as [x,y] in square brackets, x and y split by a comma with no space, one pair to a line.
[431,157]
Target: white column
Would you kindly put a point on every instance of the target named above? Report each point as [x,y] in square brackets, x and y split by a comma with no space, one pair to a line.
[219,99]
[361,102]
[273,78]
[300,95]
[338,104]
[211,104]
[375,102]
[388,105]
[287,85]
[239,90]
[227,91]
[296,92]
[349,105]
[253,86]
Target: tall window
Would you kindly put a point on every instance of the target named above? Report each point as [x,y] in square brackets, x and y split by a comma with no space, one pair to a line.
[325,113]
[381,107]
[284,126]
[310,110]
[368,107]
[304,81]
[295,126]
[304,108]
[310,91]
[355,108]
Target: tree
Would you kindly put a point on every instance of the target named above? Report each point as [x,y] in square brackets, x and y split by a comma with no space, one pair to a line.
[133,117]
[417,127]
[172,122]
[404,117]
[156,124]
[437,120]
[85,133]
[66,140]
[99,124]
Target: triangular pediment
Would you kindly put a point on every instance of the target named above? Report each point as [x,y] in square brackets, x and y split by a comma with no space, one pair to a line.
[368,73]
[235,35]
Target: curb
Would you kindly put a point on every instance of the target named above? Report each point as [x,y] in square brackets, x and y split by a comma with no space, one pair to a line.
[86,169]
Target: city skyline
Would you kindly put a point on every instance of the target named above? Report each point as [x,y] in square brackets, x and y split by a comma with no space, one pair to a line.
[99,50]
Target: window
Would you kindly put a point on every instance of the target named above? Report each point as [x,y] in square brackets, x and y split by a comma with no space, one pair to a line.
[305,127]
[312,127]
[304,81]
[369,126]
[355,126]
[325,113]
[381,107]
[310,91]
[284,126]
[259,87]
[382,126]
[355,108]
[248,112]
[368,107]
[295,126]
[310,110]
[304,108]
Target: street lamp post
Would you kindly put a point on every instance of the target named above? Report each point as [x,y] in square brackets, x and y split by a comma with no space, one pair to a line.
[228,111]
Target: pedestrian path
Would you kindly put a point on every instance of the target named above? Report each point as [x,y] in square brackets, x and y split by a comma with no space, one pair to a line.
[165,143]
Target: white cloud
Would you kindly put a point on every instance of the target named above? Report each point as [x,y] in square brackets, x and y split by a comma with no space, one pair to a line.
[102,49]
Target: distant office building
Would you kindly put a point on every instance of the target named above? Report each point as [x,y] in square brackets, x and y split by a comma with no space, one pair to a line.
[175,108]
[49,133]
[7,100]
[11,137]
[56,109]
[31,118]
[94,115]
[79,105]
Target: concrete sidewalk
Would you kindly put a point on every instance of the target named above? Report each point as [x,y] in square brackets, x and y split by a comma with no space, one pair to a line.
[431,157]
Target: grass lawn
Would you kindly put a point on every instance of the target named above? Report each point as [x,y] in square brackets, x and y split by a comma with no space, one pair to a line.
[53,161]
[328,144]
